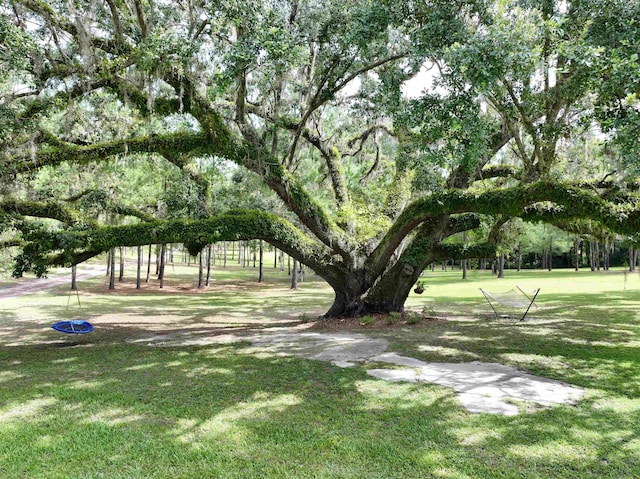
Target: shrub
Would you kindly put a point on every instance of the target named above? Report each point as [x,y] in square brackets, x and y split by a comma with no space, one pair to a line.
[393,317]
[366,320]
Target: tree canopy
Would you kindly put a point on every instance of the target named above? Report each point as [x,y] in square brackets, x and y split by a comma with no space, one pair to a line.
[363,136]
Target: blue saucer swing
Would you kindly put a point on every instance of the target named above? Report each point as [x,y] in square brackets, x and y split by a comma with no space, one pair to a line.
[73,326]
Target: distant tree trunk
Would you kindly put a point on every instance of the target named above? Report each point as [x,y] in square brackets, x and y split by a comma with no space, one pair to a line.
[209,254]
[254,258]
[281,261]
[121,272]
[597,257]
[275,258]
[112,268]
[433,266]
[148,264]
[200,270]
[464,269]
[108,263]
[161,267]
[138,266]
[74,285]
[518,259]
[260,273]
[158,250]
[501,265]
[607,254]
[576,247]
[288,265]
[294,276]
[494,266]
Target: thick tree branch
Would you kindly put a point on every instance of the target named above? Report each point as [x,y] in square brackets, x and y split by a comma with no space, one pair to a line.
[233,226]
[571,202]
[49,209]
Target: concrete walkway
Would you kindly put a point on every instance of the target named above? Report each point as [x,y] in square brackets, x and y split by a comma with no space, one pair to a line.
[480,387]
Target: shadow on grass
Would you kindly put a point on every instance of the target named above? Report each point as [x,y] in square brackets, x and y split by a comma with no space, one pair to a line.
[129,411]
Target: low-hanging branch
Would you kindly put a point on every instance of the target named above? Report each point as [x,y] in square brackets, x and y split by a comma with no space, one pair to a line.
[195,234]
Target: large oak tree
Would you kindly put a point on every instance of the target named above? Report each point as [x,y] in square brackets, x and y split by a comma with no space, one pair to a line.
[385,128]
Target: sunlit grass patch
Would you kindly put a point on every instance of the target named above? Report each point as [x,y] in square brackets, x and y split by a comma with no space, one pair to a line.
[109,405]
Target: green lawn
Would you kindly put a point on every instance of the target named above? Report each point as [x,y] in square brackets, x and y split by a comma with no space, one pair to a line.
[98,406]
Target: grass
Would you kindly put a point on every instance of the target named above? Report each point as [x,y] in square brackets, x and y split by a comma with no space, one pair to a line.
[98,406]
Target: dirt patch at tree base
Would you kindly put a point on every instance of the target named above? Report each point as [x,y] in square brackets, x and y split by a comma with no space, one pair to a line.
[374,322]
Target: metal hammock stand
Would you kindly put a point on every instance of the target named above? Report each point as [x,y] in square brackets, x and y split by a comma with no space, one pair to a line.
[514,299]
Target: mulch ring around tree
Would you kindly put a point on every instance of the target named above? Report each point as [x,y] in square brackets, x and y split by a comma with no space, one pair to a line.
[374,321]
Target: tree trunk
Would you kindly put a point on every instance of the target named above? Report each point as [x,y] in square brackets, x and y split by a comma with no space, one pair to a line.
[121,272]
[209,254]
[501,265]
[294,276]
[138,266]
[161,266]
[148,264]
[464,268]
[200,270]
[112,269]
[576,247]
[281,260]
[74,284]
[261,272]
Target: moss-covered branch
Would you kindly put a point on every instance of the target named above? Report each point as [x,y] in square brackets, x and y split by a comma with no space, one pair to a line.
[195,234]
[331,155]
[566,202]
[47,209]
[192,143]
